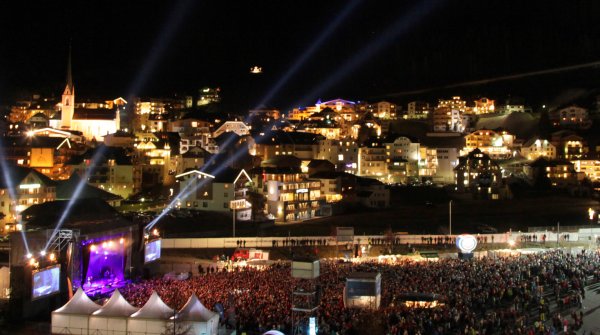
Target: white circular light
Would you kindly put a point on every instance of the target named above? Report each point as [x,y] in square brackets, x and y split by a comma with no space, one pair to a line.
[466,243]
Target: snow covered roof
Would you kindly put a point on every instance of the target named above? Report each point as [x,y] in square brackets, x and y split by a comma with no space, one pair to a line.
[194,310]
[155,308]
[80,303]
[116,306]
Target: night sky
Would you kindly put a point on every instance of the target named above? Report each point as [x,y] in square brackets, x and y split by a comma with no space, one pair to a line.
[377,50]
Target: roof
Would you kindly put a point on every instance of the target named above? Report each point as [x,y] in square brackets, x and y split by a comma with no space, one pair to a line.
[88,215]
[282,161]
[327,175]
[363,275]
[154,308]
[118,154]
[315,163]
[194,310]
[95,114]
[532,140]
[80,304]
[116,306]
[283,137]
[545,162]
[66,189]
[18,173]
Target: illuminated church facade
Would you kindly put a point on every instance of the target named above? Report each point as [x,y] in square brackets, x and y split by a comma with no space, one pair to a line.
[94,122]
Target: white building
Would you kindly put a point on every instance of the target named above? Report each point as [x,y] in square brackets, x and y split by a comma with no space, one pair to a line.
[238,127]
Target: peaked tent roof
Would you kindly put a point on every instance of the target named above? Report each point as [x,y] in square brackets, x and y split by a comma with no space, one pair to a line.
[116,306]
[80,303]
[194,310]
[154,308]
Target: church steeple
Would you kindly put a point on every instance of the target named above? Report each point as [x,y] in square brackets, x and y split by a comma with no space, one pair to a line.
[68,98]
[69,74]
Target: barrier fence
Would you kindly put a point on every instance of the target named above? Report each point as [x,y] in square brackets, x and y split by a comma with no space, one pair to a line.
[583,235]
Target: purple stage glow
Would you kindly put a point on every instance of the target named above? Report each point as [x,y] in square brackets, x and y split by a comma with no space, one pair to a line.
[105,267]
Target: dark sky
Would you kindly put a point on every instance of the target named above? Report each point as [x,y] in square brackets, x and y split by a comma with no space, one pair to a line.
[160,48]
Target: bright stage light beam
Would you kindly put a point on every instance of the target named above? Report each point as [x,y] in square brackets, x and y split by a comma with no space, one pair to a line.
[398,28]
[306,54]
[501,78]
[170,27]
[78,189]
[11,190]
[300,61]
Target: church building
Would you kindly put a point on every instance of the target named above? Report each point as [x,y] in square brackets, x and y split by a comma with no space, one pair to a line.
[94,123]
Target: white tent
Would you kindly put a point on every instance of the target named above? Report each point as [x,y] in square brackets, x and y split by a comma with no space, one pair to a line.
[112,318]
[200,319]
[72,318]
[151,319]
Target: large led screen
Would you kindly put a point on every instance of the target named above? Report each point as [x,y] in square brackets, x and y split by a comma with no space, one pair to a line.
[152,251]
[46,282]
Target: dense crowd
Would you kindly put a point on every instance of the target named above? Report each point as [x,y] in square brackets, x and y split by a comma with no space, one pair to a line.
[480,296]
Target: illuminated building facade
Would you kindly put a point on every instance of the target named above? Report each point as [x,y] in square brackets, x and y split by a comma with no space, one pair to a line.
[497,144]
[114,171]
[291,195]
[30,187]
[238,127]
[302,145]
[215,192]
[537,147]
[569,145]
[561,172]
[402,157]
[372,159]
[483,106]
[590,167]
[342,153]
[572,116]
[447,119]
[454,103]
[208,95]
[479,174]
[418,110]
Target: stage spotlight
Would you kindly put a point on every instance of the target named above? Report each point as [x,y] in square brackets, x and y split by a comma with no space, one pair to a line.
[34,263]
[93,247]
[121,240]
[43,253]
[103,244]
[29,255]
[155,232]
[52,257]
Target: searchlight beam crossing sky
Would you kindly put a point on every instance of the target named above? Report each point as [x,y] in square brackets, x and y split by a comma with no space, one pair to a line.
[92,165]
[399,27]
[11,190]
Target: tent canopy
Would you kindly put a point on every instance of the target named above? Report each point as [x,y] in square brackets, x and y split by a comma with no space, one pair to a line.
[80,304]
[194,310]
[154,308]
[116,306]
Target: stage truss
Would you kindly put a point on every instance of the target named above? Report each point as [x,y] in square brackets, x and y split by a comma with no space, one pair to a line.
[61,239]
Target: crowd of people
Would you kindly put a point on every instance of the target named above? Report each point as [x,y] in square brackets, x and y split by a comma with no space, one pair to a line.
[507,295]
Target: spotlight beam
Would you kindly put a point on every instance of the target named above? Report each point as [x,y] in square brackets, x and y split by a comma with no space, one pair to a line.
[67,210]
[305,55]
[398,28]
[501,78]
[170,27]
[11,189]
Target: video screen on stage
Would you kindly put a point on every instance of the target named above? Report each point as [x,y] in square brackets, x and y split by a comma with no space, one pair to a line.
[46,282]
[152,251]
